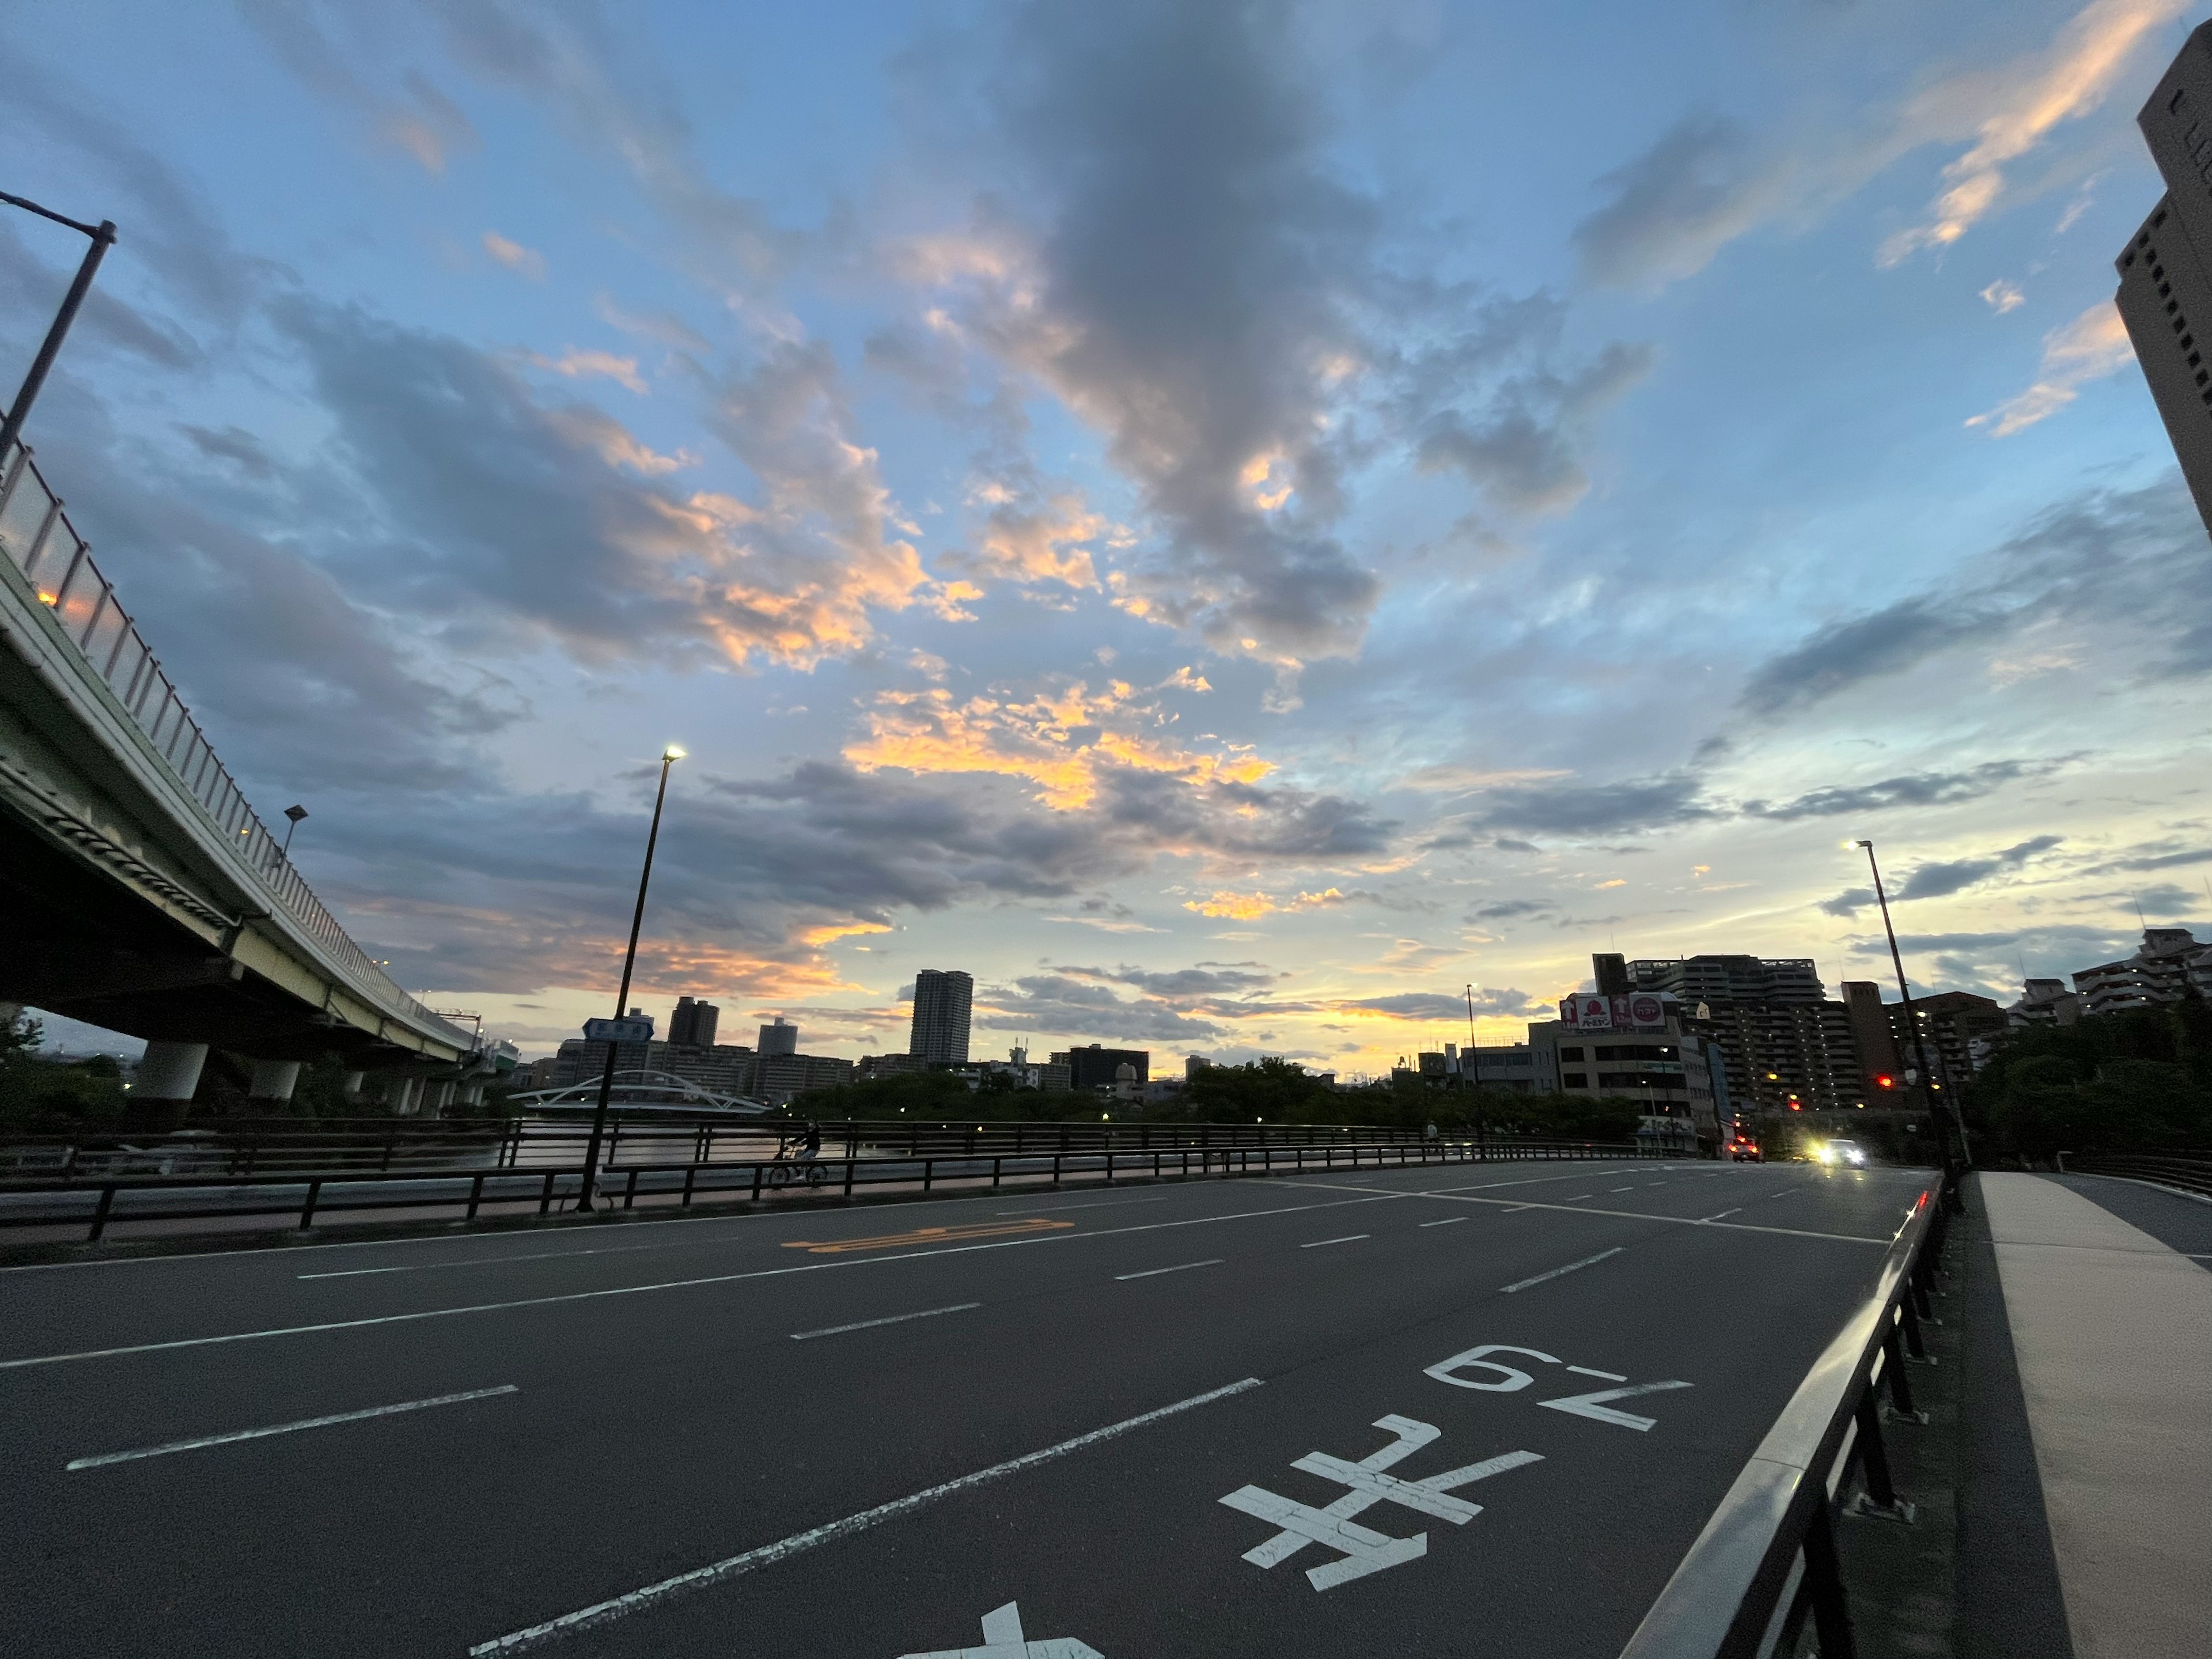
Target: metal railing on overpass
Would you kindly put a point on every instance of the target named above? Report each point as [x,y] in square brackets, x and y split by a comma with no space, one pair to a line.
[1766,1563]
[2192,1171]
[39,541]
[268,1146]
[467,1194]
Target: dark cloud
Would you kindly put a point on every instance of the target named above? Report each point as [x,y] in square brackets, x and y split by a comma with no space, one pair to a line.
[1941,878]
[1075,1011]
[1843,654]
[1702,184]
[234,444]
[1908,789]
[1440,1006]
[1207,979]
[1508,844]
[1648,803]
[1526,451]
[1507,908]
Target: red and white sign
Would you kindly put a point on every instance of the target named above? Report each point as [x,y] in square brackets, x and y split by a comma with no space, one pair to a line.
[1590,1010]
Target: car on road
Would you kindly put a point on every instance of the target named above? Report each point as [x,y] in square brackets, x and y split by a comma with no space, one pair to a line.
[1841,1153]
[1743,1149]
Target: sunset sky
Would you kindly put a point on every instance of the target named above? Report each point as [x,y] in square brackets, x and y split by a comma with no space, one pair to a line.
[1228,522]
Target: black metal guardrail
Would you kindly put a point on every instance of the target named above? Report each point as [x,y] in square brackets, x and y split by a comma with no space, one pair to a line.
[2190,1171]
[267,1147]
[1766,1561]
[97,1205]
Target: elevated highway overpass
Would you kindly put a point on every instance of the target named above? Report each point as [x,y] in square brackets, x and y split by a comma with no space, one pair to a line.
[142,892]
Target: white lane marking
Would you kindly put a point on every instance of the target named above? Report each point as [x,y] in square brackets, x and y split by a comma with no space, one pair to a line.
[1100,1204]
[195,1444]
[1785,1192]
[493,1261]
[1588,1260]
[1620,1215]
[670,1284]
[1620,1189]
[1003,1639]
[767,1555]
[1608,1376]
[1593,1405]
[1447,1221]
[893,1319]
[1347,1239]
[1737,1211]
[1182,1266]
[1578,1198]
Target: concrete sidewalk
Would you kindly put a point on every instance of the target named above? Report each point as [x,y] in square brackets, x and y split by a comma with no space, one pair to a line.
[2113,1332]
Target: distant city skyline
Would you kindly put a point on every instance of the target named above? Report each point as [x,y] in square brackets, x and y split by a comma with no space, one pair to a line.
[1232,524]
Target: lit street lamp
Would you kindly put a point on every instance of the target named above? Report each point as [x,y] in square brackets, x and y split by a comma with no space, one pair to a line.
[669,757]
[103,238]
[1938,1111]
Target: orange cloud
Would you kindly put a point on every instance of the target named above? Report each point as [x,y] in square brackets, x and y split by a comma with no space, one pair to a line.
[1250,907]
[1060,740]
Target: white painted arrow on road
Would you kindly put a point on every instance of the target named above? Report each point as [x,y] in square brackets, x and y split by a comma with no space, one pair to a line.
[1002,1640]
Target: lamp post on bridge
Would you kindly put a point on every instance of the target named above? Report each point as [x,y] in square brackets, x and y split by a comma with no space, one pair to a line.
[1939,1113]
[294,814]
[103,238]
[669,757]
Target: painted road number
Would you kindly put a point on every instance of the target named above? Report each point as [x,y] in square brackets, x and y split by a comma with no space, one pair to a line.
[1361,1550]
[1003,1639]
[1510,1380]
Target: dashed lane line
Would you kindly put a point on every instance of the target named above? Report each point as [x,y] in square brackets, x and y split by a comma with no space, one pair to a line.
[892,1319]
[1519,1284]
[1724,1215]
[1624,1215]
[236,1435]
[1180,1267]
[604,1612]
[1447,1221]
[1349,1238]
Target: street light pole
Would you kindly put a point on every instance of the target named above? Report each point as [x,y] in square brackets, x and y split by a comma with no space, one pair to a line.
[103,238]
[1940,1115]
[669,757]
[294,814]
[1475,1065]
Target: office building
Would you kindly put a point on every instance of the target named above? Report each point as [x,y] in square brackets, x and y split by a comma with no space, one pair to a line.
[2165,295]
[1521,1067]
[693,1023]
[943,999]
[778,1077]
[1095,1067]
[779,1038]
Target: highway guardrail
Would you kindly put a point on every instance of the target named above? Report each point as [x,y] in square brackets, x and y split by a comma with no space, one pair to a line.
[98,1205]
[2190,1171]
[1766,1561]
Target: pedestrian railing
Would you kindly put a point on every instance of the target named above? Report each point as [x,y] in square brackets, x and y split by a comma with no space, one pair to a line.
[1766,1563]
[97,1205]
[38,538]
[2190,1171]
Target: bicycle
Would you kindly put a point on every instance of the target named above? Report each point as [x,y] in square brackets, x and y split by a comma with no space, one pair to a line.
[784,1169]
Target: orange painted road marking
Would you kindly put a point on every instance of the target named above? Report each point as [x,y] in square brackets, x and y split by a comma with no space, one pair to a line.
[928,1235]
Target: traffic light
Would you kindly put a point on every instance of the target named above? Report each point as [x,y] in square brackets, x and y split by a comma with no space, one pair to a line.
[1885,1081]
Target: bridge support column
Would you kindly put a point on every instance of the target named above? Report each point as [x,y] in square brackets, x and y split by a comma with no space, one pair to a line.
[470,1094]
[399,1094]
[274,1080]
[353,1084]
[442,1097]
[169,1072]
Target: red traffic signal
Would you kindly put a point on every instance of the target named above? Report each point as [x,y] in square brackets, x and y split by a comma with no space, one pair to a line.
[1885,1081]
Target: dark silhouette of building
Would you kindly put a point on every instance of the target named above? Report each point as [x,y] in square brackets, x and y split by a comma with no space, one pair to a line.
[780,1038]
[692,1025]
[1094,1067]
[943,999]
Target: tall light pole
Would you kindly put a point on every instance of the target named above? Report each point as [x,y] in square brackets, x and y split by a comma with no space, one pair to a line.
[669,757]
[103,238]
[294,814]
[1938,1114]
[1474,1068]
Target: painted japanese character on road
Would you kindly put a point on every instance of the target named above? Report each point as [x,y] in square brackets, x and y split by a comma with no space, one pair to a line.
[1511,1380]
[1003,1639]
[1361,1550]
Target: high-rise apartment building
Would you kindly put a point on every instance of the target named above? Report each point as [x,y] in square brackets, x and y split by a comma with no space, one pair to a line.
[692,1024]
[1729,979]
[942,1001]
[780,1038]
[1093,1067]
[2165,295]
[1783,1042]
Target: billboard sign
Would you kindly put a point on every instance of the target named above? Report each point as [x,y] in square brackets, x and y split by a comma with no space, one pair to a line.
[1592,1011]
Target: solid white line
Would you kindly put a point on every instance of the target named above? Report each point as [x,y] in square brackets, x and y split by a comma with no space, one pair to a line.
[288,1428]
[1610,1376]
[496,1261]
[1737,1211]
[1347,1239]
[1448,1221]
[674,1284]
[1524,1284]
[1102,1204]
[1153,1272]
[1578,1198]
[768,1555]
[1620,1189]
[870,1324]
[1508,1205]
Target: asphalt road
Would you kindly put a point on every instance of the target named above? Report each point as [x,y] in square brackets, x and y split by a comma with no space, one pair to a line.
[671,1424]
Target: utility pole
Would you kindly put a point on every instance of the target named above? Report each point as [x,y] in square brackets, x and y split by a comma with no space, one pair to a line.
[103,238]
[669,757]
[1474,1068]
[1940,1114]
